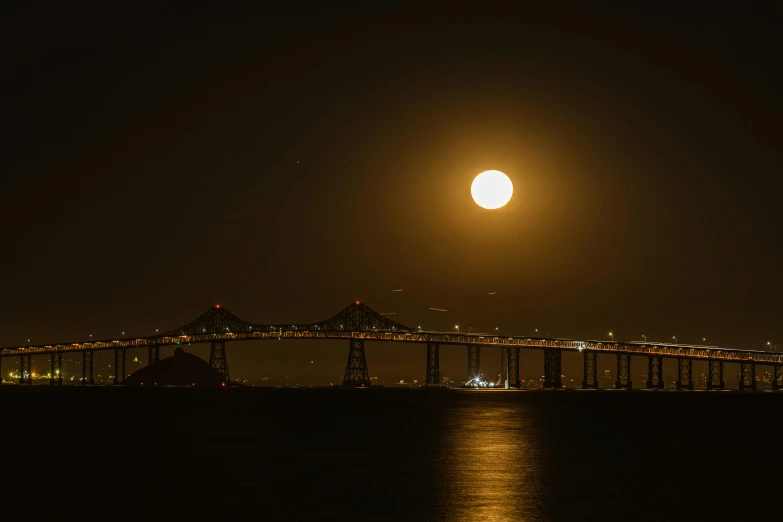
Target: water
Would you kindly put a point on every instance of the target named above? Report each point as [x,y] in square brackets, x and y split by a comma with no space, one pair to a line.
[388,454]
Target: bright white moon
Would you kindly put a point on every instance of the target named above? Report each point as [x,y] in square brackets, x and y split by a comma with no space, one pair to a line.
[491,189]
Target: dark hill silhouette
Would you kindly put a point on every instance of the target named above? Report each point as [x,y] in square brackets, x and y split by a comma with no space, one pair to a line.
[181,369]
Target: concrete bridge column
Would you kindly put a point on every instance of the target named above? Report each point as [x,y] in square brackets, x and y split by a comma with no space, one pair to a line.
[512,366]
[715,377]
[26,369]
[433,364]
[474,361]
[747,376]
[684,373]
[153,355]
[356,373]
[590,379]
[87,357]
[623,381]
[654,372]
[552,368]
[56,375]
[775,376]
[119,365]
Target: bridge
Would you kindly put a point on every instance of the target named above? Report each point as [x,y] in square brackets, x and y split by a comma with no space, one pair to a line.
[358,323]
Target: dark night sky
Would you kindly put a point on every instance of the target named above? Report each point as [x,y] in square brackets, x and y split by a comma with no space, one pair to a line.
[284,160]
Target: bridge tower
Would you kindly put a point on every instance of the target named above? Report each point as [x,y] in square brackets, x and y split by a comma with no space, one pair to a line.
[356,373]
[775,376]
[433,364]
[217,359]
[87,358]
[474,361]
[512,365]
[747,375]
[654,372]
[590,379]
[715,377]
[153,355]
[684,373]
[623,381]
[119,365]
[26,369]
[552,368]
[56,375]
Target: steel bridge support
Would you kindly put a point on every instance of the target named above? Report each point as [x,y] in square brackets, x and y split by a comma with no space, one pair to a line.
[26,369]
[474,361]
[684,373]
[552,368]
[87,358]
[512,366]
[218,360]
[119,365]
[654,372]
[590,379]
[623,381]
[775,376]
[153,356]
[433,364]
[715,377]
[356,373]
[56,375]
[747,376]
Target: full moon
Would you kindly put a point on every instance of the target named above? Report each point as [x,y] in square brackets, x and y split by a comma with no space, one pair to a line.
[491,189]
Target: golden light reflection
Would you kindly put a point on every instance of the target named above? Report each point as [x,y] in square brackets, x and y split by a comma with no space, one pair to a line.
[488,465]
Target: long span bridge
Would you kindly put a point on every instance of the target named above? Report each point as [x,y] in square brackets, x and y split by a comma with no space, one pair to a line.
[358,323]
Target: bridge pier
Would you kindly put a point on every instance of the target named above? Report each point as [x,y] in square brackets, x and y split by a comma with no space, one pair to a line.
[119,365]
[433,364]
[684,373]
[356,373]
[747,376]
[218,360]
[654,372]
[715,377]
[623,381]
[590,379]
[775,376]
[153,355]
[512,366]
[56,375]
[87,357]
[26,369]
[474,361]
[552,368]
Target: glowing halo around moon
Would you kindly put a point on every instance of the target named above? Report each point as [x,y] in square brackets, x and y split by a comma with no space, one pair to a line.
[491,189]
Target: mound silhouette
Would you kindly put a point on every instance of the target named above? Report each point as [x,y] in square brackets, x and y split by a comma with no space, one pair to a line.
[181,369]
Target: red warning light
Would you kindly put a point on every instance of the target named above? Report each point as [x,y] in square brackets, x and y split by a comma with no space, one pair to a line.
[222,384]
[217,306]
[357,302]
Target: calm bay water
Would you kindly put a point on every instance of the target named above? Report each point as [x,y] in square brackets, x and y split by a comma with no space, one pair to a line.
[389,454]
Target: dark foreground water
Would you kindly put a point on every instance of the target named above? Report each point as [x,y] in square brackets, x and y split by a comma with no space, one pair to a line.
[389,454]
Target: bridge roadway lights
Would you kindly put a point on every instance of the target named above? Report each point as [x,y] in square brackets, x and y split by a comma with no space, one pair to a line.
[356,374]
[56,375]
[747,376]
[218,360]
[654,372]
[552,368]
[590,379]
[715,375]
[474,361]
[25,369]
[119,365]
[684,373]
[512,366]
[433,364]
[87,358]
[623,381]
